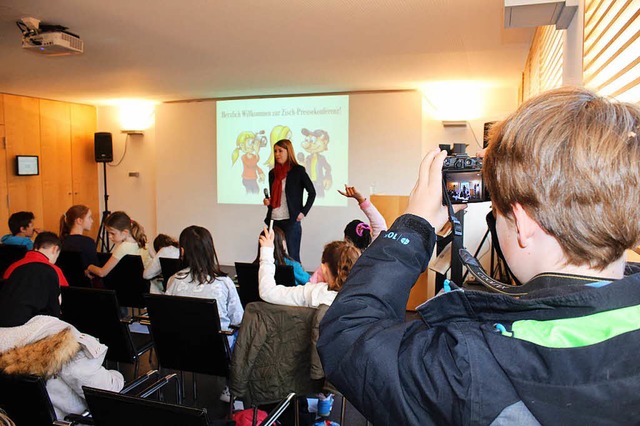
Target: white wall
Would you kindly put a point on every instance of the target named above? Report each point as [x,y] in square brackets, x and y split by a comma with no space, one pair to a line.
[134,195]
[385,149]
[389,134]
[497,104]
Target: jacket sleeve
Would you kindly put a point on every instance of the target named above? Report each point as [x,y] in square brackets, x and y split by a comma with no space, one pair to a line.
[311,192]
[234,306]
[393,371]
[275,293]
[86,369]
[377,222]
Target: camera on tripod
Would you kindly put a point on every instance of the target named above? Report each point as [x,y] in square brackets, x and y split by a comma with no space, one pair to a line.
[462,176]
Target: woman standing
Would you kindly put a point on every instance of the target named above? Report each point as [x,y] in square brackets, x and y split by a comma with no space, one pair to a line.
[287,180]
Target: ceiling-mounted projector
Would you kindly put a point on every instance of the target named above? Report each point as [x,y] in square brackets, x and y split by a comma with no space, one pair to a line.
[51,40]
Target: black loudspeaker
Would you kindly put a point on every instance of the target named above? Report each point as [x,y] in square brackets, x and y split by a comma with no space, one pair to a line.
[103,147]
[487,127]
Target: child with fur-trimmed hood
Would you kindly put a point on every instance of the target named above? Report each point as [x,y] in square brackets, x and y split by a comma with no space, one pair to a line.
[48,347]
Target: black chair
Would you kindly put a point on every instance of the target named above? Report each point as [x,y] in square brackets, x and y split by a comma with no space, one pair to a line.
[126,279]
[248,280]
[169,267]
[109,408]
[97,313]
[187,337]
[73,268]
[9,254]
[26,400]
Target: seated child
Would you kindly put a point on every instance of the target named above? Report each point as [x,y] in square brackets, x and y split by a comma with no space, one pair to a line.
[337,259]
[72,226]
[359,233]
[203,278]
[128,237]
[48,347]
[563,173]
[282,257]
[32,284]
[22,230]
[164,247]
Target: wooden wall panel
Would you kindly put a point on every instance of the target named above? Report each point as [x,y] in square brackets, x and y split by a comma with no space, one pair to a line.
[22,132]
[84,167]
[55,161]
[4,207]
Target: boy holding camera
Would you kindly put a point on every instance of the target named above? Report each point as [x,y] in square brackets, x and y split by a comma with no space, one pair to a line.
[564,176]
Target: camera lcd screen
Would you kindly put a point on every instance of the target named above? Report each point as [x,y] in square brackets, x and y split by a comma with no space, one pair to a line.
[465,187]
[27,165]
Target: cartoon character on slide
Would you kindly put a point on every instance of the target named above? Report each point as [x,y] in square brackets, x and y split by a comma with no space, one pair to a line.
[317,166]
[250,143]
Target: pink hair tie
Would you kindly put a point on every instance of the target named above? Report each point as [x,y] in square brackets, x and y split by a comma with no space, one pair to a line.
[361,227]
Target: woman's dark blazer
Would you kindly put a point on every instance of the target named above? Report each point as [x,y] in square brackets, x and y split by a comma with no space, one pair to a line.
[297,180]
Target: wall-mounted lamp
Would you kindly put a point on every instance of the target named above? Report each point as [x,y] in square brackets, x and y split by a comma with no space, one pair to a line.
[137,115]
[454,123]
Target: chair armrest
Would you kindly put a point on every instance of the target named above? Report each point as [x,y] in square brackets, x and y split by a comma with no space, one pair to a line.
[157,385]
[76,419]
[128,387]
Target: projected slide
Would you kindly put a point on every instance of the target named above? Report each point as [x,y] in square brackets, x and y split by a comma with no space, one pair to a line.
[318,127]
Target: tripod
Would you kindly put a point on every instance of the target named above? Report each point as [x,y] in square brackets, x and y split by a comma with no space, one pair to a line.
[102,241]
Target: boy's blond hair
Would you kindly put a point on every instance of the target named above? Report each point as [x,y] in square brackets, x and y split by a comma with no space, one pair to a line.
[571,158]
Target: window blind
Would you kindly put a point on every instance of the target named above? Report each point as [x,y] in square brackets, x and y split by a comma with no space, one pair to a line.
[543,69]
[611,61]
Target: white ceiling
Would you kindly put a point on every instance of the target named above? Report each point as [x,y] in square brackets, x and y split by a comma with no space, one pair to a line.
[192,49]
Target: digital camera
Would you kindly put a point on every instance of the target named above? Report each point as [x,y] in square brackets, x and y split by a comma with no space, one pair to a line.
[463,181]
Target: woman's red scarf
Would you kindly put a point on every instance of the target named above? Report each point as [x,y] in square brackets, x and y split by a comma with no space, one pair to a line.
[280,172]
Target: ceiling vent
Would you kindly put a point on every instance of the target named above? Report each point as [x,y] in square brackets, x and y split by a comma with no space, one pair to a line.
[536,13]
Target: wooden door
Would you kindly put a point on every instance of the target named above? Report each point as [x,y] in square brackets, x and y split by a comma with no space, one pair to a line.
[22,133]
[83,165]
[391,207]
[55,164]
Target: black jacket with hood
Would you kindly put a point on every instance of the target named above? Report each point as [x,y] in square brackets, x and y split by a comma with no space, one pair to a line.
[565,354]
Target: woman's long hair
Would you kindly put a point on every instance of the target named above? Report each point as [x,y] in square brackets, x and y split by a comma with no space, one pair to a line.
[279,251]
[291,155]
[199,255]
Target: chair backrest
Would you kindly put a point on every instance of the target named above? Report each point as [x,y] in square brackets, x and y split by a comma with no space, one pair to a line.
[9,254]
[102,258]
[169,267]
[25,399]
[109,408]
[97,313]
[186,334]
[126,279]
[73,268]
[248,280]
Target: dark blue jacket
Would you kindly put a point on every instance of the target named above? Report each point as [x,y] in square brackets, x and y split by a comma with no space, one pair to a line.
[455,366]
[297,181]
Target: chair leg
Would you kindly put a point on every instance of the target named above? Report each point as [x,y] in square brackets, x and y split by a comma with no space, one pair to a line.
[136,367]
[195,387]
[181,385]
[296,411]
[343,410]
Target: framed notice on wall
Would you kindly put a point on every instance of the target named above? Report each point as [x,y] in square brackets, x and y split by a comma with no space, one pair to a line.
[27,165]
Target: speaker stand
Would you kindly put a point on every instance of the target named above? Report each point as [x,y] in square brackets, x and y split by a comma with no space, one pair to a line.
[102,242]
